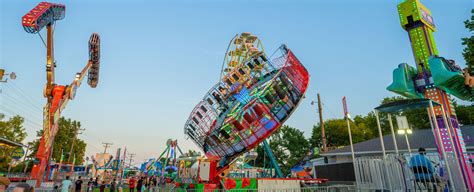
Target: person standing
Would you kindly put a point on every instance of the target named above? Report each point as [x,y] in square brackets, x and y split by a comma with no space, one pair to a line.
[131,184]
[102,187]
[148,183]
[78,184]
[90,185]
[151,184]
[96,182]
[113,186]
[66,184]
[139,184]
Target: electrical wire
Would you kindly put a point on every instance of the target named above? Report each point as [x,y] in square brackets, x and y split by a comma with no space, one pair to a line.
[12,114]
[21,106]
[30,99]
[330,111]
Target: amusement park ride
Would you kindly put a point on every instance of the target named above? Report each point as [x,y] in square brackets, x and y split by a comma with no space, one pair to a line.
[165,167]
[253,98]
[107,166]
[434,78]
[45,15]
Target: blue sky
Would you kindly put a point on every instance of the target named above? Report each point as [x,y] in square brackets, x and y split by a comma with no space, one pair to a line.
[159,58]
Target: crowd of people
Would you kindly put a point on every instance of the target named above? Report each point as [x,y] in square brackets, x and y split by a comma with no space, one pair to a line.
[133,183]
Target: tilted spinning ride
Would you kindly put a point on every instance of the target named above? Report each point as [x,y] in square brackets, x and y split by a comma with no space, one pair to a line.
[45,15]
[253,98]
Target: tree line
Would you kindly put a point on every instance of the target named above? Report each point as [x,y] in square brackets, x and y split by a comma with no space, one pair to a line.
[289,145]
[13,129]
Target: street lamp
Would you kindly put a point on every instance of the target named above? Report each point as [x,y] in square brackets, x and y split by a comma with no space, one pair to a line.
[404,129]
[12,75]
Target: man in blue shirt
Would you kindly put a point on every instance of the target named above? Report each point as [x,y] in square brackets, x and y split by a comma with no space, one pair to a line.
[66,184]
[422,167]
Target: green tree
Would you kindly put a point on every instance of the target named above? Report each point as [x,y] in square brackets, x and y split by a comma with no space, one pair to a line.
[365,127]
[337,134]
[465,114]
[11,129]
[288,145]
[67,129]
[417,118]
[468,52]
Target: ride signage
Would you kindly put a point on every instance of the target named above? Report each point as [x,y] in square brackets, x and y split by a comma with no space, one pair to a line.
[18,153]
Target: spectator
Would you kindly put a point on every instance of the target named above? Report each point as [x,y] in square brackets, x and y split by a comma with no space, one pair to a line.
[90,185]
[113,186]
[131,184]
[422,167]
[78,184]
[66,184]
[139,184]
[4,182]
[102,187]
[96,182]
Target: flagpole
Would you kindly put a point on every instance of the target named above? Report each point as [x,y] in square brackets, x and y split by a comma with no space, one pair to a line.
[72,167]
[58,173]
[347,117]
[350,137]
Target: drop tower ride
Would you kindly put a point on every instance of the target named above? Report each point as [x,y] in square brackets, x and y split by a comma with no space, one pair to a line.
[430,80]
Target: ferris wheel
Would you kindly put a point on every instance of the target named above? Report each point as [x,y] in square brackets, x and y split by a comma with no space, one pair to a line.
[241,48]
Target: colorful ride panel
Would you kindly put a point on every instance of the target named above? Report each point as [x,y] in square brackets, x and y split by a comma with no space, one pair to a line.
[43,14]
[253,99]
[448,76]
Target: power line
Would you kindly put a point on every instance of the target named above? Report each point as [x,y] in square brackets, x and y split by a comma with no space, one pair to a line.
[23,93]
[23,108]
[26,119]
[19,97]
[131,155]
[76,132]
[12,114]
[21,105]
[106,145]
[330,111]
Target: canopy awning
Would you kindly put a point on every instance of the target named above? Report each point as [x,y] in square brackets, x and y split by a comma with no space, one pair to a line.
[406,104]
[8,143]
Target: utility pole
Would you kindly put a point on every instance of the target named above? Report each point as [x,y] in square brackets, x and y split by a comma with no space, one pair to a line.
[321,122]
[24,159]
[131,155]
[76,132]
[106,145]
